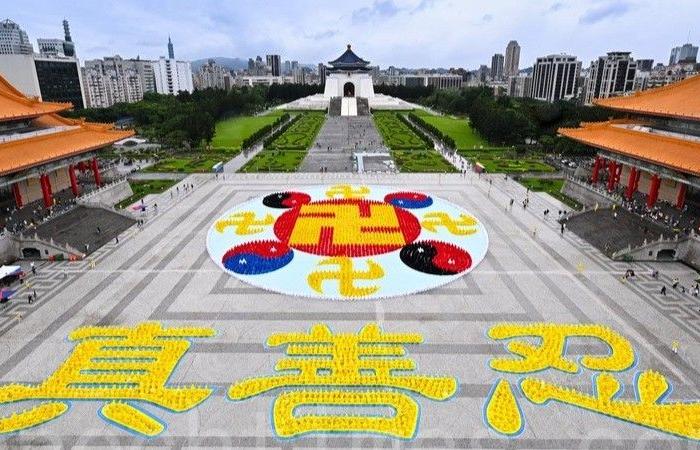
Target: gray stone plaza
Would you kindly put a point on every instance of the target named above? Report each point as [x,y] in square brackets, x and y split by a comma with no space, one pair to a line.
[531,273]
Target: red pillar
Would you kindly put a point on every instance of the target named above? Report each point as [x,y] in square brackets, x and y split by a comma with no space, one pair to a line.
[596,170]
[636,180]
[18,195]
[630,183]
[73,180]
[612,174]
[46,190]
[680,199]
[653,191]
[618,174]
[96,172]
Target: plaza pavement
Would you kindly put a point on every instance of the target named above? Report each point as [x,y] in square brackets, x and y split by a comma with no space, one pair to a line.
[531,273]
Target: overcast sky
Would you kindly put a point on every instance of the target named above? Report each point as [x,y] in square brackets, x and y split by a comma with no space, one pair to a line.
[404,33]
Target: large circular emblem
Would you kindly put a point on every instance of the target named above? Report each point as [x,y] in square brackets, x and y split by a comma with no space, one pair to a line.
[347,242]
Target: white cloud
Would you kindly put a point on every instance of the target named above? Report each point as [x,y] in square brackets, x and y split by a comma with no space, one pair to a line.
[413,33]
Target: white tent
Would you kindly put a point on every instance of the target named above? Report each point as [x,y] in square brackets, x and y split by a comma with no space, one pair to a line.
[6,271]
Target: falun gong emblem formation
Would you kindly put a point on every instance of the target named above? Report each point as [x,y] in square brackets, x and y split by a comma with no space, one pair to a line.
[347,242]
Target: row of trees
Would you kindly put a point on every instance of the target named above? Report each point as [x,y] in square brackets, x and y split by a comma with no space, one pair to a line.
[514,121]
[188,120]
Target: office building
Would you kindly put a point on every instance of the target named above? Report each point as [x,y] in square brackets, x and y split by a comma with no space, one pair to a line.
[321,73]
[497,67]
[13,39]
[511,63]
[273,64]
[645,65]
[610,76]
[687,53]
[171,49]
[519,86]
[52,76]
[439,81]
[287,67]
[555,77]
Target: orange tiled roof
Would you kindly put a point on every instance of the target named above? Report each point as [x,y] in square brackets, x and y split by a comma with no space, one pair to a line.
[680,100]
[15,105]
[666,151]
[26,153]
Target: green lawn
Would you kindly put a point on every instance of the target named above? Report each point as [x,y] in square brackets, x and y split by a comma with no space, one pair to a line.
[275,161]
[301,134]
[396,135]
[551,186]
[231,132]
[189,162]
[464,135]
[143,188]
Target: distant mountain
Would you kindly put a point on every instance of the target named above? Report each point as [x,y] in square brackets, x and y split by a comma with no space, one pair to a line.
[229,63]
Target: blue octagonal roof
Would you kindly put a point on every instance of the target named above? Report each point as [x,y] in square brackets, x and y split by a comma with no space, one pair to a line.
[348,61]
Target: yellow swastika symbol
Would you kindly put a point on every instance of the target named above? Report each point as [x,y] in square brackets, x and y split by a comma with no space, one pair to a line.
[346,191]
[245,223]
[346,275]
[348,225]
[463,226]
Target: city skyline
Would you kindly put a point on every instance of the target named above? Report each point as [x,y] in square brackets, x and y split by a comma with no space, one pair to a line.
[445,33]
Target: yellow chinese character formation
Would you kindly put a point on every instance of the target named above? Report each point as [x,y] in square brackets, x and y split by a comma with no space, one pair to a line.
[345,370]
[244,223]
[346,276]
[502,412]
[464,225]
[550,353]
[116,365]
[347,191]
[681,419]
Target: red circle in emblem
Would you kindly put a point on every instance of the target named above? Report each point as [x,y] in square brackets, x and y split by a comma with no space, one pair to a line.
[347,227]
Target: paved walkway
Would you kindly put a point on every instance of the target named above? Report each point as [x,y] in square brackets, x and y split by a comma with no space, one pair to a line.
[338,139]
[163,272]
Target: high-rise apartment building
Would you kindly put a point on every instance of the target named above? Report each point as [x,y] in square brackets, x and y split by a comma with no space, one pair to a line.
[274,63]
[610,76]
[555,77]
[211,75]
[497,67]
[13,39]
[113,80]
[511,64]
[171,75]
[687,53]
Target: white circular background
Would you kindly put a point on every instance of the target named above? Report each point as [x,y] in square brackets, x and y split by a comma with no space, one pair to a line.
[398,279]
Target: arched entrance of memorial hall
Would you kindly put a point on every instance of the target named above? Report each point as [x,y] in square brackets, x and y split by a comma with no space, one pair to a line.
[349,89]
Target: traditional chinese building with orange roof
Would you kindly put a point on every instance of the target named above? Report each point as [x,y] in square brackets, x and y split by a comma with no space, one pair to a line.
[40,151]
[655,150]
